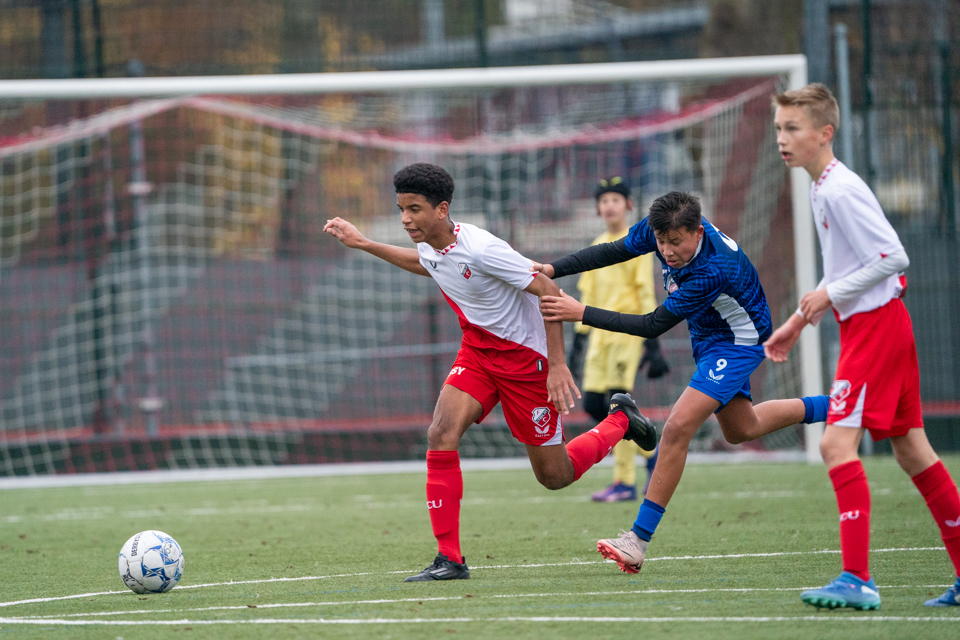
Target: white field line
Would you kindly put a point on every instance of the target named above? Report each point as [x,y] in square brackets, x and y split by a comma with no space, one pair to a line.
[227,474]
[100,513]
[351,603]
[675,619]
[478,568]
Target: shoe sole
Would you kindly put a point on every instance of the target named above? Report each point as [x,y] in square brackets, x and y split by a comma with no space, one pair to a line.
[822,602]
[610,553]
[621,499]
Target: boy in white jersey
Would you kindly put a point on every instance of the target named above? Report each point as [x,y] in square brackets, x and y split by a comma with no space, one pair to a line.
[508,355]
[877,385]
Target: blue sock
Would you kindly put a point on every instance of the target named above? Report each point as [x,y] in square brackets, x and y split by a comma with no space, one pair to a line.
[647,520]
[816,407]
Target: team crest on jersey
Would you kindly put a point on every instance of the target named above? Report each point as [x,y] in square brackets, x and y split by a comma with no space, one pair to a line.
[670,285]
[541,420]
[838,395]
[465,270]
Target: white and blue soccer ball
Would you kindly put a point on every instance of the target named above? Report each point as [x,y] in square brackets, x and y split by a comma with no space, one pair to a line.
[151,562]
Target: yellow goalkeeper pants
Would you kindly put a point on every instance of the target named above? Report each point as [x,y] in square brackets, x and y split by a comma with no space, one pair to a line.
[625,463]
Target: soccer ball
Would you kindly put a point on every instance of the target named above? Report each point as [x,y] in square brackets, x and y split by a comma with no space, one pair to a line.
[151,562]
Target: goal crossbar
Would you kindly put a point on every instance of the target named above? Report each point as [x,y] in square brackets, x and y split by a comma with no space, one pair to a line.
[391,81]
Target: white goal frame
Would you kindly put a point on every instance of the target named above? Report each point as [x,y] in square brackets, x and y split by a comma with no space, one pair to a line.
[794,67]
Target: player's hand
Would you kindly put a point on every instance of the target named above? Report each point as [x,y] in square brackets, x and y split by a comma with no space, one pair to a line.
[814,304]
[561,388]
[778,345]
[345,232]
[562,308]
[545,269]
[653,356]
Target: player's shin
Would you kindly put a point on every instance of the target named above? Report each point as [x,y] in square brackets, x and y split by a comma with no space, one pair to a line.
[444,493]
[591,447]
[853,500]
[940,492]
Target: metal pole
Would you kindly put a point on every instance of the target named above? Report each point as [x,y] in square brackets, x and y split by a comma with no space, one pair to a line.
[79,53]
[870,171]
[150,404]
[97,38]
[433,30]
[816,39]
[480,25]
[805,268]
[843,89]
[947,175]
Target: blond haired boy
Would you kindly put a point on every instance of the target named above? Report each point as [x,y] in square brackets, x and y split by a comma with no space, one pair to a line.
[877,384]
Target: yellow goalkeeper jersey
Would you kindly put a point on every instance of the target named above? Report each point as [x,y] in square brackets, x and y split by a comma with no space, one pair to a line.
[626,287]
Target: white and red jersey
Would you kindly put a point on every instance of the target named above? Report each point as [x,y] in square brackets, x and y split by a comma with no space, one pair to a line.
[484,279]
[854,234]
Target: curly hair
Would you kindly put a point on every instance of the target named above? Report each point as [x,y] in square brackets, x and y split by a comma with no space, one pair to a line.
[428,180]
[674,211]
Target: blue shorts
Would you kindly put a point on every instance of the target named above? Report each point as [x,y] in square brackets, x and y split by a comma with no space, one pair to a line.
[723,369]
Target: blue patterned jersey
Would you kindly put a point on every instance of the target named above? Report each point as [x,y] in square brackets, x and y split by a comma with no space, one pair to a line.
[718,292]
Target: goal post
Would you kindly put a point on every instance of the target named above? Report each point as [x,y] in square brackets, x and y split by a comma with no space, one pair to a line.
[175,303]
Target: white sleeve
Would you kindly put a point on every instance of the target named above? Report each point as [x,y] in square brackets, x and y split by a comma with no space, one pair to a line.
[500,260]
[862,280]
[859,218]
[817,318]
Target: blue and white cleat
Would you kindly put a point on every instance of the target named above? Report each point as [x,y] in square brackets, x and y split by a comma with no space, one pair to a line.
[846,591]
[949,599]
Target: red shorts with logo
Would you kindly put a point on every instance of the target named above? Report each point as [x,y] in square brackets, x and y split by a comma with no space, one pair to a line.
[877,386]
[523,396]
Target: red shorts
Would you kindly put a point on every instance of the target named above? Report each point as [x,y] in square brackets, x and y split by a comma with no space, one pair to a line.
[878,378]
[531,419]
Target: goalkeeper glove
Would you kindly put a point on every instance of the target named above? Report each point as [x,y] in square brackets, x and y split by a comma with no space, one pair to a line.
[653,356]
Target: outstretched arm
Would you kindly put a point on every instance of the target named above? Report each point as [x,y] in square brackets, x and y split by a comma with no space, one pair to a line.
[350,236]
[560,385]
[593,257]
[650,325]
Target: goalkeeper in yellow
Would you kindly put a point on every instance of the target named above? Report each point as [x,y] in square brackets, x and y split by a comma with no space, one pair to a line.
[612,359]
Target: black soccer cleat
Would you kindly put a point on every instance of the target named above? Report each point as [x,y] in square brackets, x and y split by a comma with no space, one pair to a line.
[443,568]
[640,429]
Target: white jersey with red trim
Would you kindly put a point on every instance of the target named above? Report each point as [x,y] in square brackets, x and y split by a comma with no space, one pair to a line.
[484,279]
[854,234]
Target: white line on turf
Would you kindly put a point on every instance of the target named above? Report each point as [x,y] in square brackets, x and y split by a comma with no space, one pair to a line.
[675,619]
[477,568]
[339,469]
[102,513]
[351,603]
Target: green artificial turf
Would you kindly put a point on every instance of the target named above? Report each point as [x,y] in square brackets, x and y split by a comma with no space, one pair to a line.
[532,553]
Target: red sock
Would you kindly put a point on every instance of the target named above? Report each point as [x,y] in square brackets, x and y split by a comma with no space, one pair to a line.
[444,492]
[853,500]
[938,489]
[589,448]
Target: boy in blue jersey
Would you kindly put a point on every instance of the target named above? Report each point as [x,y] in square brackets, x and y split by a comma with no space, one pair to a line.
[712,285]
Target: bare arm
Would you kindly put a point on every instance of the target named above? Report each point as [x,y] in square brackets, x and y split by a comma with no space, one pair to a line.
[559,379]
[350,236]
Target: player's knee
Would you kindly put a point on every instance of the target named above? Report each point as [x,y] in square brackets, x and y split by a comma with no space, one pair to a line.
[442,436]
[677,430]
[837,450]
[555,480]
[595,405]
[735,436]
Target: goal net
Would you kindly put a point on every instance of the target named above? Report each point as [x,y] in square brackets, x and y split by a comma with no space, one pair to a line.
[168,298]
